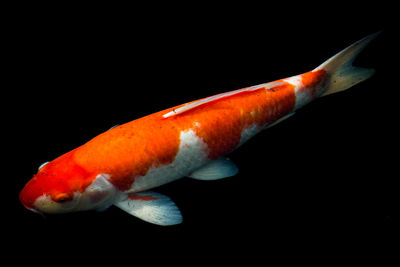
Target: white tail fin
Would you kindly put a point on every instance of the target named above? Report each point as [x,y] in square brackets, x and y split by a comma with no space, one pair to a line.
[343,74]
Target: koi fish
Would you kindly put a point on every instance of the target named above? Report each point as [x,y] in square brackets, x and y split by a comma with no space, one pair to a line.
[121,165]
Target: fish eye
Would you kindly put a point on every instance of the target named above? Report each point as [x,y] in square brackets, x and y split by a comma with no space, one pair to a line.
[62,198]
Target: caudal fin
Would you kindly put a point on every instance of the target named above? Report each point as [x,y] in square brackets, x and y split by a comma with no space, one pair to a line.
[343,74]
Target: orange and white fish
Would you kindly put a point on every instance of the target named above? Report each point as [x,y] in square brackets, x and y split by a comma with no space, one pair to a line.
[120,166]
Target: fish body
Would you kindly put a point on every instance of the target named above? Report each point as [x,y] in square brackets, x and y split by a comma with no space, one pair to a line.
[120,165]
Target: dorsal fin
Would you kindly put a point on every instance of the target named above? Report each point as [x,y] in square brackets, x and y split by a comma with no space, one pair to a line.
[210,99]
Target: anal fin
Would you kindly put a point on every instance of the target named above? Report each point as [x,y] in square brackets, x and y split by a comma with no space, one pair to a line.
[280,120]
[151,207]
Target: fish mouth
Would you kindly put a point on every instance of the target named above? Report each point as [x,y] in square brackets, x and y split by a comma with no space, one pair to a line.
[34,210]
[31,208]
[26,203]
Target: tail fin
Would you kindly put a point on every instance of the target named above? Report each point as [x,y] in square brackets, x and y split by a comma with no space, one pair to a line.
[343,74]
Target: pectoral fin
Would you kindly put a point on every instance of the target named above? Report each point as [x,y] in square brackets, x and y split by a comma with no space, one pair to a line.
[214,170]
[151,207]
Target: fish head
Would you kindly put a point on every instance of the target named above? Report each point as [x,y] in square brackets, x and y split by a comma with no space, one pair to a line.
[39,195]
[58,187]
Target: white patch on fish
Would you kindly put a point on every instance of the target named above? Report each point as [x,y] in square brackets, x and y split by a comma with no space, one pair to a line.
[192,154]
[302,96]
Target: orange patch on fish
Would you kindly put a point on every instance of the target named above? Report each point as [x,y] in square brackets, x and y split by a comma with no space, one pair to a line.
[227,117]
[130,150]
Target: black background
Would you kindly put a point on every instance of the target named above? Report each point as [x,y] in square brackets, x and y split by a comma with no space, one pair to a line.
[322,182]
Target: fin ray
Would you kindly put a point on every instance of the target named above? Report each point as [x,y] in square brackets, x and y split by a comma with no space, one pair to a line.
[151,207]
[343,74]
[214,170]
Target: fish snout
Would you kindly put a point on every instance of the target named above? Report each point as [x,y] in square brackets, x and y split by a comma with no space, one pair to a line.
[26,199]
